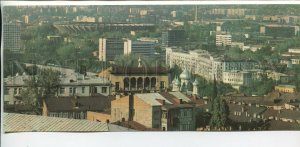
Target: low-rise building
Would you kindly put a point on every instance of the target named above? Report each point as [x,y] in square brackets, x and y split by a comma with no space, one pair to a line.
[237,78]
[72,85]
[75,107]
[166,111]
[286,88]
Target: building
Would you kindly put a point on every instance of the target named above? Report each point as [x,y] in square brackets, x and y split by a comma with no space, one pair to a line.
[166,111]
[223,40]
[236,12]
[81,27]
[281,30]
[73,85]
[144,48]
[237,78]
[12,37]
[75,107]
[173,37]
[109,48]
[290,58]
[204,64]
[286,88]
[34,123]
[138,79]
[26,19]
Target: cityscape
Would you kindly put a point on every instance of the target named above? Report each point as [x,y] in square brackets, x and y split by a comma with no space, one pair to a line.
[151,68]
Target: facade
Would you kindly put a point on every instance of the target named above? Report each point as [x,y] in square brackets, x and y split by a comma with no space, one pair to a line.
[223,40]
[138,79]
[237,78]
[12,37]
[164,111]
[76,107]
[172,38]
[76,85]
[292,57]
[144,48]
[281,30]
[204,64]
[109,48]
[286,88]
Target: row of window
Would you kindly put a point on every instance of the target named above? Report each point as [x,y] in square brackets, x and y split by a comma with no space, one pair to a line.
[73,90]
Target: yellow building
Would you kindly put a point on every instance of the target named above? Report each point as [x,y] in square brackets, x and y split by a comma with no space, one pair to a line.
[286,88]
[137,79]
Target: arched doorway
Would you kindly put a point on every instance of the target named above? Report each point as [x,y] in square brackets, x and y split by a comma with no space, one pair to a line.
[133,83]
[140,83]
[126,84]
[147,83]
[153,82]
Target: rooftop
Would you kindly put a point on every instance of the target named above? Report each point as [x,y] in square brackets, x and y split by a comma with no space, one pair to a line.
[98,103]
[33,123]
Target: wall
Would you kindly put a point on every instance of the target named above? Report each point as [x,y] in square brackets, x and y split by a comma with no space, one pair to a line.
[142,115]
[96,116]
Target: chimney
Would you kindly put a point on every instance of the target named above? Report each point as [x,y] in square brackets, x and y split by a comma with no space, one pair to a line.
[131,107]
[180,101]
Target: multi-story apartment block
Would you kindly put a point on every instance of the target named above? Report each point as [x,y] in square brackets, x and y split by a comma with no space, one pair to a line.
[109,48]
[204,64]
[12,37]
[290,58]
[145,48]
[280,30]
[223,40]
[173,37]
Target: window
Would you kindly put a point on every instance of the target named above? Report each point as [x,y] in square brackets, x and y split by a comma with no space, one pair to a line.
[71,90]
[82,89]
[117,85]
[15,90]
[104,89]
[62,90]
[6,90]
[95,90]
[74,90]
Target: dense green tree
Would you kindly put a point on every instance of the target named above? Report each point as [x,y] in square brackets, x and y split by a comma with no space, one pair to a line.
[219,111]
[41,86]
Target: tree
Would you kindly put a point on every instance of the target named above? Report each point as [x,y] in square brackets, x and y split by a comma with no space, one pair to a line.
[40,87]
[219,110]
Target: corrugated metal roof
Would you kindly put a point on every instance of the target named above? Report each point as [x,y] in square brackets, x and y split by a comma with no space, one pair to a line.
[34,123]
[150,98]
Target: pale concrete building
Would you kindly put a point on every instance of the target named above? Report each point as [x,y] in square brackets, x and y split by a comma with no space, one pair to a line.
[74,85]
[237,78]
[223,40]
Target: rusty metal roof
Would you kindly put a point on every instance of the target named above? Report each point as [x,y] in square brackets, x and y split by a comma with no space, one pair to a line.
[33,123]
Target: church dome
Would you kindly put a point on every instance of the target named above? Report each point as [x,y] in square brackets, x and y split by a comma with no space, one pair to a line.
[185,75]
[176,81]
[196,82]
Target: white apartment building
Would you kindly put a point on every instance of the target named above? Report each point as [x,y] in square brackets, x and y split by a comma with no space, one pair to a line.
[223,40]
[237,78]
[291,57]
[204,64]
